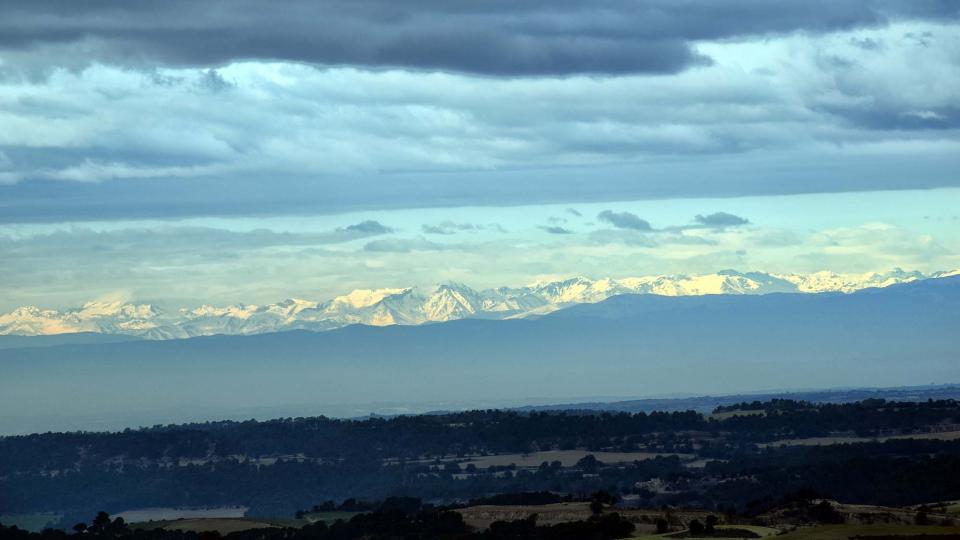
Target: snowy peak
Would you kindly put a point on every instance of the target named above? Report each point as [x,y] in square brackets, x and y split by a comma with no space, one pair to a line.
[579,290]
[416,305]
[452,301]
[99,309]
[832,281]
[362,298]
[237,311]
[31,321]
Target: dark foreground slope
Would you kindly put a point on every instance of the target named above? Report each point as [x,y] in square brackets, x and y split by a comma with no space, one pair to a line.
[628,345]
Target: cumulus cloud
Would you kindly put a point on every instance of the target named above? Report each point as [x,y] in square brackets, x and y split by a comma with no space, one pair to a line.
[872,245]
[720,219]
[368,227]
[624,220]
[556,229]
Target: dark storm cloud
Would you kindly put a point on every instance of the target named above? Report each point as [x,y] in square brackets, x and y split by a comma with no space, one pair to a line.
[720,219]
[624,220]
[495,37]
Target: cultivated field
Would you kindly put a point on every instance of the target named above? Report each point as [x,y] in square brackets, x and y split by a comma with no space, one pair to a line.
[844,532]
[550,514]
[567,458]
[170,514]
[820,441]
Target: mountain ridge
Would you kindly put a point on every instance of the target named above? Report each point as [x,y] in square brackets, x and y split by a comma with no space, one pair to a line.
[626,345]
[419,305]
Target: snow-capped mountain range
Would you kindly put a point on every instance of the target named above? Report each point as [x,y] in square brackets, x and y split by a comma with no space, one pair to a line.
[415,305]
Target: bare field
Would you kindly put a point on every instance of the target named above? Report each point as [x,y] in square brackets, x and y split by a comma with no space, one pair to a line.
[547,514]
[821,441]
[550,514]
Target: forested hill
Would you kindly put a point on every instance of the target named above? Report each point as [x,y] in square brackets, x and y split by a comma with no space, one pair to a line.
[709,403]
[732,457]
[472,432]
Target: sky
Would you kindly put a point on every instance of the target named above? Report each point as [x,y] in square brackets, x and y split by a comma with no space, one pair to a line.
[238,151]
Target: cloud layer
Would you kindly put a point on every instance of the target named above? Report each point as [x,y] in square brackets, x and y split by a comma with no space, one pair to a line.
[223,261]
[533,37]
[241,149]
[845,107]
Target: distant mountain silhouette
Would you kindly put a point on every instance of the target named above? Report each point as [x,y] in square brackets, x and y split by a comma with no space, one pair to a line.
[418,305]
[76,338]
[626,345]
